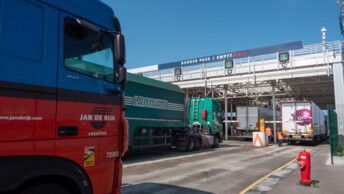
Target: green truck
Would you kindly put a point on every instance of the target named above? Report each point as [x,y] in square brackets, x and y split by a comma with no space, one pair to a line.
[160,116]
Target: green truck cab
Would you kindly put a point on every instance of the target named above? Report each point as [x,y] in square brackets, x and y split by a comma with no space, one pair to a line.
[205,128]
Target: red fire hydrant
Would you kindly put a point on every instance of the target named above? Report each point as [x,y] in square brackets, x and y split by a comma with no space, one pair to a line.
[304,164]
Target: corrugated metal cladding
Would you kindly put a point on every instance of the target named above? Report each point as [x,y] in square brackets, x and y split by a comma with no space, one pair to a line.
[148,98]
[153,104]
[339,95]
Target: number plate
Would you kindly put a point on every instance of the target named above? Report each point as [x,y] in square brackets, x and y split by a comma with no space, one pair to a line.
[297,136]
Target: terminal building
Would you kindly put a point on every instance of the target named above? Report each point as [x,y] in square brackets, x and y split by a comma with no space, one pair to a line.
[262,76]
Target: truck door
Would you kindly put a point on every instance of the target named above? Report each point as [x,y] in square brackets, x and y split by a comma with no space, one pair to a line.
[252,117]
[88,109]
[242,117]
[303,117]
[28,52]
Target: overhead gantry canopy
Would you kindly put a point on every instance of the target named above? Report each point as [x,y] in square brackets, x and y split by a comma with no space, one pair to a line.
[307,75]
[263,76]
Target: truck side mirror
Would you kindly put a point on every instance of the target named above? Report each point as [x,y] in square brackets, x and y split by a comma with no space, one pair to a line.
[122,76]
[119,49]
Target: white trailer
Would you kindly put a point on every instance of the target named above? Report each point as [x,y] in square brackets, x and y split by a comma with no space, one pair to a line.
[302,121]
[248,119]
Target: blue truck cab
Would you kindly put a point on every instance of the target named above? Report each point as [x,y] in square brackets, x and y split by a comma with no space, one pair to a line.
[62,80]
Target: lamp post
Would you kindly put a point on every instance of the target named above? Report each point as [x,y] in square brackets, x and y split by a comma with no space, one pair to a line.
[323,31]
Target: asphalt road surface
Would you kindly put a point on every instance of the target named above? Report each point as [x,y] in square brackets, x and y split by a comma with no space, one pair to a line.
[228,169]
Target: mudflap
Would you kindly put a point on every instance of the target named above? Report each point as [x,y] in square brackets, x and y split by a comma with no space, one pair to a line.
[180,146]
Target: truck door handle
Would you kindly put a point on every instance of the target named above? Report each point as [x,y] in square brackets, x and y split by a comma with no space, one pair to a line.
[67,131]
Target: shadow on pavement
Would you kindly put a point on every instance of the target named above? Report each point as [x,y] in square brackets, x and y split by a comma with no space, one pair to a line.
[152,155]
[229,145]
[303,143]
[147,188]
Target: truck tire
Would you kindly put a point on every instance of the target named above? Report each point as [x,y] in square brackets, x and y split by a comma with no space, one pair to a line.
[314,142]
[198,144]
[45,188]
[216,142]
[190,145]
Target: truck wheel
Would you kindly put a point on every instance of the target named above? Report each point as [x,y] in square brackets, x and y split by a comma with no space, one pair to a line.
[314,142]
[45,188]
[190,145]
[216,142]
[198,144]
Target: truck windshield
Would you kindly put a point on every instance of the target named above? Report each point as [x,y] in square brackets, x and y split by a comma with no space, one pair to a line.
[88,52]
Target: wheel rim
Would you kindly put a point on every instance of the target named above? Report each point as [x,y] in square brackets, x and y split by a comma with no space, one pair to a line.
[217,141]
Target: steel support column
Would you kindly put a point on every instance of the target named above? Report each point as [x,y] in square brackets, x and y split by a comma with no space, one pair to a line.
[232,132]
[339,93]
[274,111]
[226,112]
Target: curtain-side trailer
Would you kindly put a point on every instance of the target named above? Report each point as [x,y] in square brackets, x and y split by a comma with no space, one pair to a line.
[302,121]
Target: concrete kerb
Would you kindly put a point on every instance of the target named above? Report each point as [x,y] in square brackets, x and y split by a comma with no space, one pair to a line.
[267,182]
[337,160]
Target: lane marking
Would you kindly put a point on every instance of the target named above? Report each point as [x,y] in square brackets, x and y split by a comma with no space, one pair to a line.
[271,173]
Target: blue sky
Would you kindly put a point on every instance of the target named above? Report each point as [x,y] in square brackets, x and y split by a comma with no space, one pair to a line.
[162,31]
